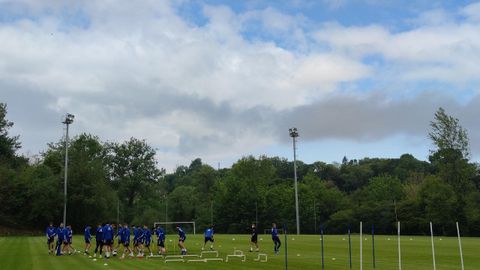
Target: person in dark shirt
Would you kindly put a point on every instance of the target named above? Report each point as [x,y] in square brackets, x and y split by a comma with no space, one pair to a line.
[69,240]
[147,235]
[119,241]
[60,239]
[98,240]
[140,240]
[254,238]
[125,237]
[160,240]
[88,237]
[51,232]
[181,240]
[108,239]
[275,238]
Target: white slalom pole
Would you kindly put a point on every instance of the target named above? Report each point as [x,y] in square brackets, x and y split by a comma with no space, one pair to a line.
[361,246]
[399,250]
[433,247]
[460,245]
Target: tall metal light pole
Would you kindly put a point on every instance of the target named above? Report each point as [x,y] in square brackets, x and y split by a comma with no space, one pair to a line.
[294,135]
[166,210]
[68,120]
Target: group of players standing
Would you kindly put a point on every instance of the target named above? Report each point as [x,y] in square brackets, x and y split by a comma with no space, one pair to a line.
[142,239]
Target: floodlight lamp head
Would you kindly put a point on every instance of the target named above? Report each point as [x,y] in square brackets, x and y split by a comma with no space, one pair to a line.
[69,119]
[293,132]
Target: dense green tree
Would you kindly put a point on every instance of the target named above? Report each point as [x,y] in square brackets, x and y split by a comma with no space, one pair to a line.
[132,168]
[8,144]
[439,203]
[450,159]
[90,198]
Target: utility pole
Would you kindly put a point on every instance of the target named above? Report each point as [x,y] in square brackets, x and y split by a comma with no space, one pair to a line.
[294,135]
[68,120]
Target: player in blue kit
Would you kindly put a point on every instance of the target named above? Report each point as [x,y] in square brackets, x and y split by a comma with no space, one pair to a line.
[125,238]
[88,237]
[208,237]
[119,241]
[181,240]
[147,235]
[60,239]
[275,238]
[108,239]
[140,240]
[98,240]
[69,240]
[135,237]
[51,232]
[160,240]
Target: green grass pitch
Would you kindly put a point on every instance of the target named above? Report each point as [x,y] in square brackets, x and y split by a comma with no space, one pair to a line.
[304,252]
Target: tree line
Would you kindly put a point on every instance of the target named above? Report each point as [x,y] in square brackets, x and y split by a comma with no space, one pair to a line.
[106,176]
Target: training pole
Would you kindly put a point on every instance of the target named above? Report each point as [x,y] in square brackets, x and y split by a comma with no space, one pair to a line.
[460,245]
[323,240]
[349,247]
[433,247]
[361,246]
[373,246]
[399,249]
[286,250]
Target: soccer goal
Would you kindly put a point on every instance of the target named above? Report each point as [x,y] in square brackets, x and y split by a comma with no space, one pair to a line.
[169,227]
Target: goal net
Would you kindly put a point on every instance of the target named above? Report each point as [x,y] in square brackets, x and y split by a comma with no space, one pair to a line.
[170,227]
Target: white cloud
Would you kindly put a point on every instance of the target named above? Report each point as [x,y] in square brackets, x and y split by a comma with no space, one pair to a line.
[445,52]
[472,11]
[139,69]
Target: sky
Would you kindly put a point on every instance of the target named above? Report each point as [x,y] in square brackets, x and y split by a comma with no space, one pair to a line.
[221,80]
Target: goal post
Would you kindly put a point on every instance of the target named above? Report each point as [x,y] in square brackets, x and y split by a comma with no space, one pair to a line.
[168,224]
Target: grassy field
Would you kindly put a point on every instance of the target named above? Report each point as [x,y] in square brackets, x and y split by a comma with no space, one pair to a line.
[304,252]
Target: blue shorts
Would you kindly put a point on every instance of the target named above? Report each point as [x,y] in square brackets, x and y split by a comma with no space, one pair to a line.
[87,240]
[147,243]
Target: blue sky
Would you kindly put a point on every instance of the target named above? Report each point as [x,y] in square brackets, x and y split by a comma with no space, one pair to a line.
[225,79]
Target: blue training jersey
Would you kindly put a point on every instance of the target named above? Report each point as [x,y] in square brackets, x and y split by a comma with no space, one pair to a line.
[209,233]
[51,231]
[147,234]
[107,233]
[274,233]
[119,232]
[135,233]
[99,234]
[69,234]
[60,234]
[140,235]
[125,236]
[87,234]
[181,234]
[160,234]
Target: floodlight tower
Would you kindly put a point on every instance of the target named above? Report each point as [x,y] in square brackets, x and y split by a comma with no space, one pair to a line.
[294,135]
[68,120]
